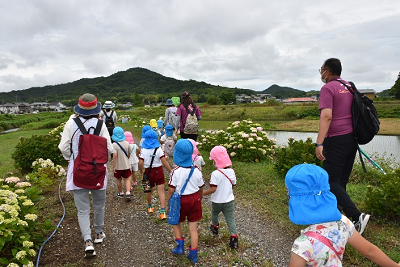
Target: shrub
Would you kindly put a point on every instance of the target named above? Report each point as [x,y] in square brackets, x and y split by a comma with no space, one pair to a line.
[244,140]
[38,146]
[45,173]
[297,152]
[384,199]
[18,222]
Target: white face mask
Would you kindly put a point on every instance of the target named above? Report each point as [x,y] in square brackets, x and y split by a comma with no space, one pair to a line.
[323,79]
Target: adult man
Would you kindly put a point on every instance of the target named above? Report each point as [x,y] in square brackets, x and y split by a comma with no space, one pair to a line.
[336,144]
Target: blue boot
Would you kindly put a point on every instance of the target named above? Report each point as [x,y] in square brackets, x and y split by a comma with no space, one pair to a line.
[179,246]
[192,256]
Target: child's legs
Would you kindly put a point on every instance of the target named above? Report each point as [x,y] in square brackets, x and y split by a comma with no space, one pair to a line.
[228,211]
[149,196]
[134,176]
[177,230]
[119,184]
[128,183]
[194,237]
[216,208]
[161,195]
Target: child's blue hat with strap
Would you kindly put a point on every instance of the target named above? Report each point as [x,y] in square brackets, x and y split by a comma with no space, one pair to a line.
[310,198]
[169,130]
[118,134]
[145,129]
[150,140]
[183,153]
[160,123]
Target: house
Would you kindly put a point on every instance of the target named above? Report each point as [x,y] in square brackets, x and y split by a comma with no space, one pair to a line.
[56,106]
[9,108]
[370,93]
[39,105]
[299,100]
[24,108]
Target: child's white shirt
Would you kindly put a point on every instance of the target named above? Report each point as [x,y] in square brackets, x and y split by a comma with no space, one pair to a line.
[133,159]
[146,155]
[178,178]
[224,192]
[164,138]
[199,162]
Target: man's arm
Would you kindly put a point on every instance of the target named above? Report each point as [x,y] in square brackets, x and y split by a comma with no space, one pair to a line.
[324,123]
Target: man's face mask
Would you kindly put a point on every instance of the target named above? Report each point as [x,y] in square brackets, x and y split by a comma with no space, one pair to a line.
[322,75]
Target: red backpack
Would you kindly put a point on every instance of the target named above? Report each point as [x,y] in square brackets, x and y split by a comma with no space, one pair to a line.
[89,170]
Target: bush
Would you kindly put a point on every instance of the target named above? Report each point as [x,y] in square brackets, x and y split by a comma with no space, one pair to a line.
[384,199]
[297,152]
[38,146]
[45,173]
[244,140]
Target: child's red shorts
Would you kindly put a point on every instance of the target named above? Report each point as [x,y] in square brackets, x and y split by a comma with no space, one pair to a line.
[122,174]
[191,208]
[156,176]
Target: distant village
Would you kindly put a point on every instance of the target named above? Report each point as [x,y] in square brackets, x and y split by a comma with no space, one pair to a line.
[36,107]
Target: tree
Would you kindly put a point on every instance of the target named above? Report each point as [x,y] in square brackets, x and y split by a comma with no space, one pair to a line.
[228,98]
[137,99]
[395,90]
[213,100]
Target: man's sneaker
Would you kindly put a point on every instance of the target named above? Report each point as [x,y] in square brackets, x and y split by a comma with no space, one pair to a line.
[362,222]
[89,249]
[99,238]
[150,209]
[162,216]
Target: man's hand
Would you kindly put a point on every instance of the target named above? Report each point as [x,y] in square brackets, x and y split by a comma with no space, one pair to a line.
[319,152]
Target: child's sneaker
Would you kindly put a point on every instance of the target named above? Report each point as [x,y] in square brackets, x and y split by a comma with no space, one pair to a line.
[89,249]
[150,209]
[162,216]
[214,229]
[120,195]
[99,238]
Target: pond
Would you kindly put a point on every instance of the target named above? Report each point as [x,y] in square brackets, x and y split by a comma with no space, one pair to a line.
[382,146]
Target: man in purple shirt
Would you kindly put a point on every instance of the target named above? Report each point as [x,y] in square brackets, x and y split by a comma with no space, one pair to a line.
[336,144]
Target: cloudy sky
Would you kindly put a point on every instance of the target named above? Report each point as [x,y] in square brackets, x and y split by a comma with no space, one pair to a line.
[248,44]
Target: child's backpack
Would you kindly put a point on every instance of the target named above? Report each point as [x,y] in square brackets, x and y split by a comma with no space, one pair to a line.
[109,120]
[169,146]
[89,170]
[191,126]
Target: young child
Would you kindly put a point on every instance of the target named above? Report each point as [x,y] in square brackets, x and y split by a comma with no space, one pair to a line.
[190,199]
[133,157]
[160,129]
[168,141]
[323,242]
[151,148]
[121,165]
[222,199]
[144,129]
[196,156]
[153,124]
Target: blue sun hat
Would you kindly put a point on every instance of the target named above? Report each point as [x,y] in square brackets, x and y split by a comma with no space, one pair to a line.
[169,102]
[150,140]
[118,134]
[145,129]
[169,130]
[310,198]
[160,123]
[183,153]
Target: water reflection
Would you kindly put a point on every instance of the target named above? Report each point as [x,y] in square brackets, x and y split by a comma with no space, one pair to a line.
[383,146]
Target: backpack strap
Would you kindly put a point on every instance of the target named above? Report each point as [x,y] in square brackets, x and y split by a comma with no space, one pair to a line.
[80,125]
[225,176]
[324,240]
[126,154]
[187,180]
[193,111]
[152,159]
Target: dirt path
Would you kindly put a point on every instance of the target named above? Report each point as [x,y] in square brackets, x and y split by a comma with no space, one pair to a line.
[135,238]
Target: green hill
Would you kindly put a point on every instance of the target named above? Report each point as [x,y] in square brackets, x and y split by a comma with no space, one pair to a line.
[283,92]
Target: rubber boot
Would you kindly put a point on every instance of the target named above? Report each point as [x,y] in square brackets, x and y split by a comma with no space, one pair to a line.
[214,229]
[233,242]
[192,256]
[179,246]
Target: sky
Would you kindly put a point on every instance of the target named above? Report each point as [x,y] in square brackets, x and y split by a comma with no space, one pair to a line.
[248,44]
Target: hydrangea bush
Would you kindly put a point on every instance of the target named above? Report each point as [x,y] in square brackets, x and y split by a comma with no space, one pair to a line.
[244,140]
[18,222]
[45,173]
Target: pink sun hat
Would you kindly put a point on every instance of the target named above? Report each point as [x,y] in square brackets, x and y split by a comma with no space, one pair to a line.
[195,150]
[129,137]
[220,157]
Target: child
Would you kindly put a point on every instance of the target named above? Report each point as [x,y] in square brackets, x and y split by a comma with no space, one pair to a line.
[160,128]
[121,165]
[323,242]
[190,199]
[153,124]
[168,140]
[144,129]
[133,157]
[196,156]
[151,149]
[222,199]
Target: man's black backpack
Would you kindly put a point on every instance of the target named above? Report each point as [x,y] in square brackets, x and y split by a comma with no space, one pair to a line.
[109,120]
[365,117]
